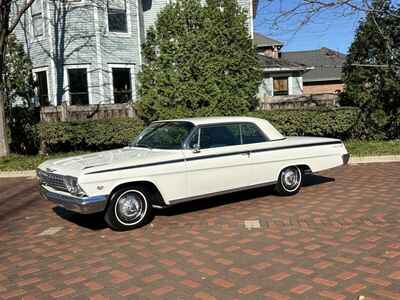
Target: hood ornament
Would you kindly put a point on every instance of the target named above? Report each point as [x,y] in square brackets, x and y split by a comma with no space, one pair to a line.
[50,170]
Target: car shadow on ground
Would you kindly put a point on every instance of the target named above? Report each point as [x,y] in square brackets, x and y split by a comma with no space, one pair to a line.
[230,198]
[96,221]
[92,221]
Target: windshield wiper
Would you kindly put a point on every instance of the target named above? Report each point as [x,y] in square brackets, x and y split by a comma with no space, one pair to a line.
[143,146]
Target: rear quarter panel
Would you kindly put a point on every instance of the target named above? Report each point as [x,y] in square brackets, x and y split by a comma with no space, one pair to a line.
[268,164]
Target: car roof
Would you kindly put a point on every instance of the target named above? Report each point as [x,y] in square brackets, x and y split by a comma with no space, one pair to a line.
[213,120]
[265,126]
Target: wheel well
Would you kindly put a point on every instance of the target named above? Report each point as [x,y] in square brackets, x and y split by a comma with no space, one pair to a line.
[305,169]
[155,195]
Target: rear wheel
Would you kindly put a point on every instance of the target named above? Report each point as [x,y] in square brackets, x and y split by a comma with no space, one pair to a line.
[289,181]
[129,208]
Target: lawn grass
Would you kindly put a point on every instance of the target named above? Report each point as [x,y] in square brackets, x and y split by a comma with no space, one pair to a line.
[17,162]
[373,148]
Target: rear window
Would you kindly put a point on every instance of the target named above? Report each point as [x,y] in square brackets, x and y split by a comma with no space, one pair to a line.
[251,134]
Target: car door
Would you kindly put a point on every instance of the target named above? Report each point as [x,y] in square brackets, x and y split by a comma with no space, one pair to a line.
[263,165]
[216,160]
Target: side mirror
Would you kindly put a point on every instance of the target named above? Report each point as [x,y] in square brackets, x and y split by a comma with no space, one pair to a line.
[196,148]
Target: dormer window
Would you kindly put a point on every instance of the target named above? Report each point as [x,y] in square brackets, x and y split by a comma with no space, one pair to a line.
[117,17]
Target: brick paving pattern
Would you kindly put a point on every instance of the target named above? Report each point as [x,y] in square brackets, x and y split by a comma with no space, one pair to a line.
[339,238]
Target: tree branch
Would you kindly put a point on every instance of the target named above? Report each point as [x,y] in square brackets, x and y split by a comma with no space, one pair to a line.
[19,15]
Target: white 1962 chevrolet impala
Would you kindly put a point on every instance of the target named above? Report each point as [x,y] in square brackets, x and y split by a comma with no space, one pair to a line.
[176,161]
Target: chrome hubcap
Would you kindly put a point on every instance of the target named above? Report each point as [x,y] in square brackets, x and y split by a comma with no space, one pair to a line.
[130,207]
[291,178]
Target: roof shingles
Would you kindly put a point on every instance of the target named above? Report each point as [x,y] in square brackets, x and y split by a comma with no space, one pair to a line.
[278,63]
[263,41]
[327,63]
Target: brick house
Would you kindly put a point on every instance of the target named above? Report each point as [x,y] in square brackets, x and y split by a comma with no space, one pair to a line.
[326,75]
[89,52]
[298,73]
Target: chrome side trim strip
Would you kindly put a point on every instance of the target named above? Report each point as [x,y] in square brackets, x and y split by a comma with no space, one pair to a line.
[296,146]
[216,156]
[139,166]
[249,187]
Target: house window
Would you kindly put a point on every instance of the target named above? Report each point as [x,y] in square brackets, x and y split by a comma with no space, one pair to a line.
[42,90]
[146,5]
[122,85]
[37,19]
[117,17]
[281,87]
[78,87]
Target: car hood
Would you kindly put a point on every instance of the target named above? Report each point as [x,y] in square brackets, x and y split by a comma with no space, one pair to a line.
[77,165]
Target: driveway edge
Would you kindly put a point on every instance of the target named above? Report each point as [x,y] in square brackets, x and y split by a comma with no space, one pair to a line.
[15,174]
[353,161]
[374,159]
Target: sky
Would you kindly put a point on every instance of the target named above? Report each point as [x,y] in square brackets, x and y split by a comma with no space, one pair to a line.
[331,29]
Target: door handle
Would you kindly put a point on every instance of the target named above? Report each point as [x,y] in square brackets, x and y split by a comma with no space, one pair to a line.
[246,153]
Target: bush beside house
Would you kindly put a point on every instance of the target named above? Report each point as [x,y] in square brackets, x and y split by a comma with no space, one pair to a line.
[340,123]
[93,135]
[101,135]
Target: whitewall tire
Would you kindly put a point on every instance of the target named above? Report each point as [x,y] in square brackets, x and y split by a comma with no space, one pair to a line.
[289,181]
[129,208]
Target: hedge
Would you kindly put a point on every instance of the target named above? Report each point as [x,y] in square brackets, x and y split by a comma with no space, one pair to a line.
[340,122]
[101,134]
[89,135]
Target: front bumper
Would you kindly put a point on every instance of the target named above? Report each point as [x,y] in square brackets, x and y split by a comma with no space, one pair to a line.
[83,205]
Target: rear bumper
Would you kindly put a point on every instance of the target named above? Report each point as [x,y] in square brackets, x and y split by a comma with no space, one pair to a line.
[345,158]
[83,205]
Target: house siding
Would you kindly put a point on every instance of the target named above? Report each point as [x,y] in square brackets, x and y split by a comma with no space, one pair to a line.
[151,9]
[296,85]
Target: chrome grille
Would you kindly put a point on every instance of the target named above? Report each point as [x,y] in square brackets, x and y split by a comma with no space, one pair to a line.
[55,181]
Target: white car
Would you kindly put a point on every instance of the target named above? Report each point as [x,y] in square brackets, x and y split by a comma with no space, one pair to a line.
[184,160]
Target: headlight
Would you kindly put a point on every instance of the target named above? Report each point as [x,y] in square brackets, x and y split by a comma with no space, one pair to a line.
[73,186]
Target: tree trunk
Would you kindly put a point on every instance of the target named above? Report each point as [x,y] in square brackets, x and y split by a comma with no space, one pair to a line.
[4,147]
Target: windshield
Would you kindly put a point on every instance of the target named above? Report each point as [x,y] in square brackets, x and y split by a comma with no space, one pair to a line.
[164,135]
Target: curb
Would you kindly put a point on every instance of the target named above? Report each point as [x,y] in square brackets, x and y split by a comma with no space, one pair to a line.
[16,174]
[374,159]
[353,161]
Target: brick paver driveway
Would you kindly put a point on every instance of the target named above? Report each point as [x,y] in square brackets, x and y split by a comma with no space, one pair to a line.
[337,239]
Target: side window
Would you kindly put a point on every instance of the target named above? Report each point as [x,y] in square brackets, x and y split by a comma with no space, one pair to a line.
[220,136]
[251,134]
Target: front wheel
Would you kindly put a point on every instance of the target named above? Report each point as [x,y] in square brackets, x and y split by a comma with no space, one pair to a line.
[129,208]
[289,181]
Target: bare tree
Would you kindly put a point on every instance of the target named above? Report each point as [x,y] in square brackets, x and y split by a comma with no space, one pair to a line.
[292,16]
[8,22]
